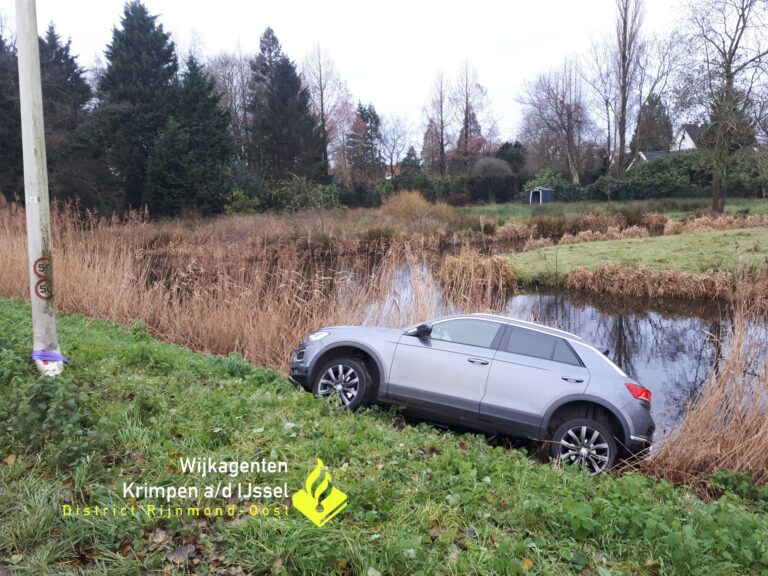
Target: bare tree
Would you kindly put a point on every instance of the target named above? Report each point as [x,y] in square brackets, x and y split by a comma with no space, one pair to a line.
[438,117]
[629,20]
[469,101]
[555,115]
[231,72]
[330,99]
[729,39]
[394,140]
[600,76]
[659,58]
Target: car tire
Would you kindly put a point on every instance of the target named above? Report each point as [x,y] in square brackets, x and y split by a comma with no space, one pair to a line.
[345,378]
[586,442]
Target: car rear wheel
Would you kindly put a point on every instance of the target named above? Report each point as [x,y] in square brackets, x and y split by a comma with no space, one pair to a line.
[344,378]
[584,442]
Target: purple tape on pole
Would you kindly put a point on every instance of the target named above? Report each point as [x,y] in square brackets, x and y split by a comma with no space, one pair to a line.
[49,356]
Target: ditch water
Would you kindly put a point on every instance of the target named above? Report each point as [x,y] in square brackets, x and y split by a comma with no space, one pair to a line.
[670,346]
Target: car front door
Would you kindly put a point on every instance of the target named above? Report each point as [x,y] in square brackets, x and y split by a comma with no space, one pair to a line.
[445,374]
[530,371]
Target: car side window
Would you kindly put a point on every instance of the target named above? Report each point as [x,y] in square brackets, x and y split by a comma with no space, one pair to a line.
[563,353]
[466,331]
[541,345]
[531,343]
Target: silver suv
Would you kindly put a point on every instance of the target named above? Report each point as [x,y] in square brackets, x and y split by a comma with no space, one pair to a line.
[489,373]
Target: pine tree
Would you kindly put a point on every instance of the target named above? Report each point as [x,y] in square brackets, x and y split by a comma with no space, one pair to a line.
[285,137]
[430,150]
[470,141]
[364,144]
[654,127]
[410,164]
[210,145]
[136,95]
[11,176]
[172,174]
[65,97]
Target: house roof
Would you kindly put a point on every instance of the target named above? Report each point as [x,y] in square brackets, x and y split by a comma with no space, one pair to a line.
[653,154]
[694,131]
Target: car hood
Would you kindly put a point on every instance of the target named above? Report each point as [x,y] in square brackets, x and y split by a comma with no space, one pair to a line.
[362,330]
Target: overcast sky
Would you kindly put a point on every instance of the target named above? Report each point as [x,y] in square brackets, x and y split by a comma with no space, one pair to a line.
[388,52]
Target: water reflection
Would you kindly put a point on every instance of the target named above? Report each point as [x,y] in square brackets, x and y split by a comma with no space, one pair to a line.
[669,348]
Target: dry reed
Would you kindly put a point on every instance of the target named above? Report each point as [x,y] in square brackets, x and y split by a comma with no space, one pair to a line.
[642,282]
[471,279]
[251,284]
[724,427]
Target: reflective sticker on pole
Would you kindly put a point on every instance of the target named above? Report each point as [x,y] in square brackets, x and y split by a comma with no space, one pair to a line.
[48,356]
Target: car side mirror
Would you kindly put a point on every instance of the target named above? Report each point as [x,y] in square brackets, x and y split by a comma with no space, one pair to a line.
[423,331]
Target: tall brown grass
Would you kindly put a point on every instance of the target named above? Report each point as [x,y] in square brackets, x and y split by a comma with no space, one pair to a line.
[251,284]
[724,427]
[471,279]
[641,282]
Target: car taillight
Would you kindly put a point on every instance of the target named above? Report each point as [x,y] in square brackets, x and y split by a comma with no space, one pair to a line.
[638,392]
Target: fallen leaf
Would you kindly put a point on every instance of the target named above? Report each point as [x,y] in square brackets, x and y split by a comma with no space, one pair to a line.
[10,459]
[180,555]
[159,536]
[126,546]
[372,572]
[494,542]
[526,563]
[341,565]
[16,558]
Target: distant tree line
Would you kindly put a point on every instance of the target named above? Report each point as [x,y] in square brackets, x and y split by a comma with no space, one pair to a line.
[240,132]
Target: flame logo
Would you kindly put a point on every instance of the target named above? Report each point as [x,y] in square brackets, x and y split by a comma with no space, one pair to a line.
[308,501]
[319,471]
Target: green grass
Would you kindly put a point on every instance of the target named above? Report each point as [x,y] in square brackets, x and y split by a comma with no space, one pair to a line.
[673,207]
[699,252]
[421,501]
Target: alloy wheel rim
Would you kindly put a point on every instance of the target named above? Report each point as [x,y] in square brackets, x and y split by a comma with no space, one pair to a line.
[585,446]
[340,380]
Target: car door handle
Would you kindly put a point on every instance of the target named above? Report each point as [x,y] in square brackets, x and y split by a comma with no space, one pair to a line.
[478,361]
[574,380]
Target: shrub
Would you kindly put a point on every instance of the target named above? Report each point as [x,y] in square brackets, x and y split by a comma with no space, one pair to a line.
[239,203]
[491,188]
[299,192]
[38,410]
[545,178]
[406,204]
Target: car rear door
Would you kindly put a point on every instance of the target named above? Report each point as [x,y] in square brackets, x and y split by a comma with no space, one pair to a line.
[446,373]
[529,372]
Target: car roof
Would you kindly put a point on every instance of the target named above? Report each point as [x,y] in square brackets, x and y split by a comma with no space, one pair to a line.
[518,322]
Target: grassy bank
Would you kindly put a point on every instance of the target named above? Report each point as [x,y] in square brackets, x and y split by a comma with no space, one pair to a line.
[697,252]
[672,207]
[421,501]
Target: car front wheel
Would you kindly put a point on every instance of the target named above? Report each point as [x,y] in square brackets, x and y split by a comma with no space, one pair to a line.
[344,378]
[584,442]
